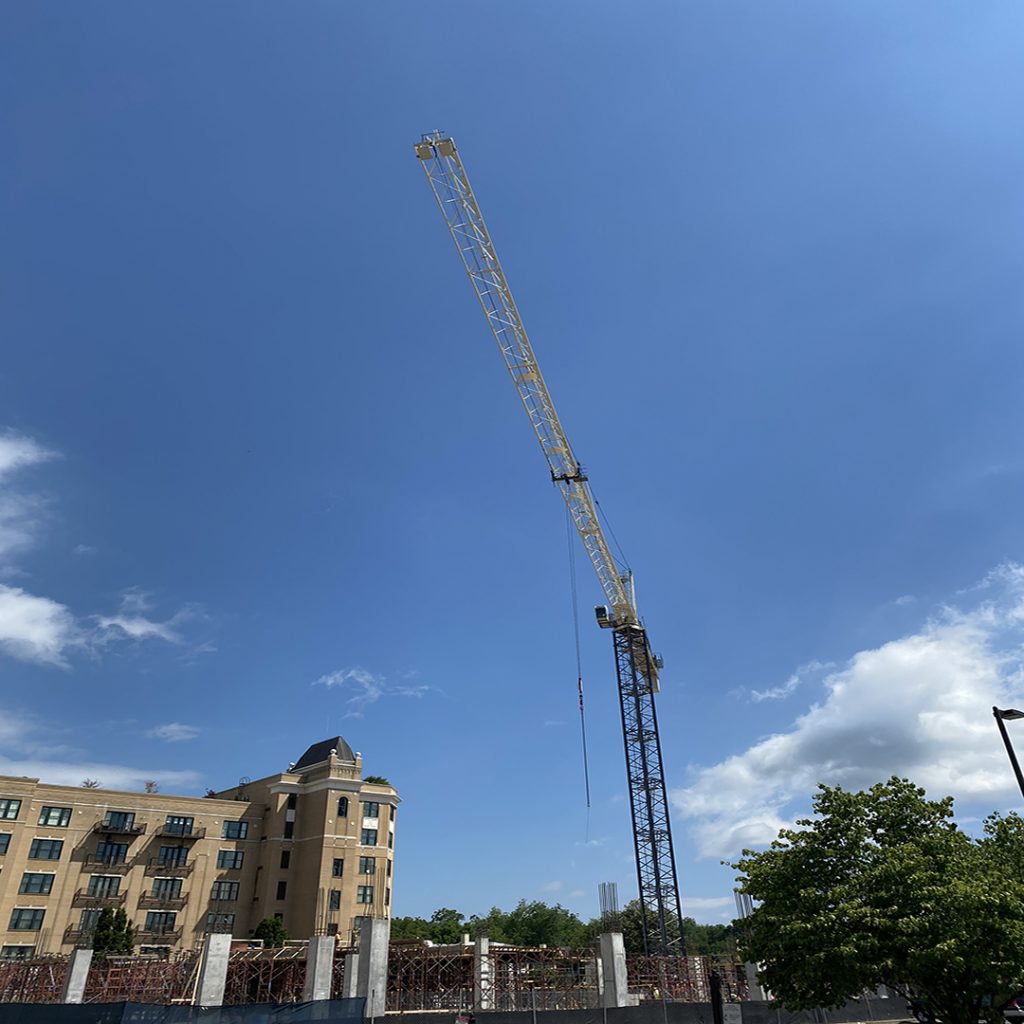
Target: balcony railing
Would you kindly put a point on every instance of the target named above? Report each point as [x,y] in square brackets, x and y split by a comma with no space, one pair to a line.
[78,936]
[84,898]
[182,831]
[150,901]
[160,937]
[107,865]
[114,828]
[169,868]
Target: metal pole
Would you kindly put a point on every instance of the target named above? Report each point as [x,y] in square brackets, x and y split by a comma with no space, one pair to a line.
[1009,749]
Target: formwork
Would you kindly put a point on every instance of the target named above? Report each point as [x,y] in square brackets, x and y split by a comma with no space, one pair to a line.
[140,979]
[32,981]
[266,976]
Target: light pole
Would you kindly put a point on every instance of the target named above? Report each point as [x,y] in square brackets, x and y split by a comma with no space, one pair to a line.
[1004,715]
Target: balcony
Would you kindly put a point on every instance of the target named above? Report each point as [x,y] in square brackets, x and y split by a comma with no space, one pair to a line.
[160,937]
[118,829]
[106,865]
[169,868]
[77,936]
[149,901]
[182,831]
[84,898]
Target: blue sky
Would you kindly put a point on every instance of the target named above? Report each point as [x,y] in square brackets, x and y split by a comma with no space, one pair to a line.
[256,439]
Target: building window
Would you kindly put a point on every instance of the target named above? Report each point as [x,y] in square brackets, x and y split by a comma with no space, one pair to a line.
[26,919]
[338,867]
[173,856]
[89,920]
[17,952]
[293,799]
[220,922]
[282,888]
[5,842]
[166,888]
[111,853]
[364,894]
[176,825]
[342,807]
[224,891]
[371,809]
[104,886]
[37,883]
[286,858]
[335,900]
[45,849]
[230,859]
[289,829]
[235,830]
[120,819]
[367,865]
[369,837]
[387,897]
[389,869]
[55,817]
[391,840]
[160,922]
[9,809]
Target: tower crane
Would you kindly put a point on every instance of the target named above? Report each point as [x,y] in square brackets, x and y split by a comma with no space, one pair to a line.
[636,664]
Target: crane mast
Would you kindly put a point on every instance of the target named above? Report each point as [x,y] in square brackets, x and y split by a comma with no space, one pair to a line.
[636,665]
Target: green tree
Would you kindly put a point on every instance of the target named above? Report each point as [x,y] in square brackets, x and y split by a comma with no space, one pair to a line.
[376,780]
[271,931]
[445,926]
[881,887]
[114,933]
[410,928]
[537,924]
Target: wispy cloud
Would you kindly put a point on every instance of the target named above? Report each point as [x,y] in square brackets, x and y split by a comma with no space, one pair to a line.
[35,628]
[173,732]
[916,706]
[366,688]
[554,886]
[21,511]
[790,686]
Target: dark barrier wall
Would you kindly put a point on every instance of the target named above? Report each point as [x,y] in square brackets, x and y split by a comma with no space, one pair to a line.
[328,1011]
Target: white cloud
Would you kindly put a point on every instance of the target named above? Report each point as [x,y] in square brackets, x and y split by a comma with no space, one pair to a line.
[32,748]
[367,687]
[792,683]
[35,628]
[138,628]
[20,511]
[173,732]
[918,706]
[555,886]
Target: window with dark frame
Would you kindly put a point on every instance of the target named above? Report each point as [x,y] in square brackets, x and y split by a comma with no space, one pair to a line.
[224,891]
[293,799]
[364,894]
[89,920]
[235,830]
[220,922]
[338,867]
[111,853]
[119,819]
[369,837]
[178,825]
[342,806]
[367,865]
[37,883]
[45,849]
[55,817]
[286,858]
[173,856]
[230,859]
[289,829]
[9,809]
[166,888]
[335,900]
[5,842]
[160,922]
[282,889]
[26,919]
[17,952]
[371,809]
[104,886]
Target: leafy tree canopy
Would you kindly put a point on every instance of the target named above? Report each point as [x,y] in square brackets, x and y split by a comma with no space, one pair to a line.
[271,931]
[376,780]
[881,887]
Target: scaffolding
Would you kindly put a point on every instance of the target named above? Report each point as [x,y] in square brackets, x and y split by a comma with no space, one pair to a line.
[142,979]
[266,975]
[32,981]
[684,979]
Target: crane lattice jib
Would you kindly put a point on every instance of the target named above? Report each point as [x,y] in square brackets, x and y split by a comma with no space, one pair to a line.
[459,208]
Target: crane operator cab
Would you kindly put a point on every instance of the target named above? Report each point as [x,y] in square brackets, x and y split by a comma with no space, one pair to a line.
[604,616]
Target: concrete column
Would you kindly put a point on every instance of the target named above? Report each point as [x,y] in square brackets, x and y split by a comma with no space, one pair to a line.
[74,980]
[213,970]
[372,969]
[350,979]
[613,970]
[754,990]
[319,968]
[483,975]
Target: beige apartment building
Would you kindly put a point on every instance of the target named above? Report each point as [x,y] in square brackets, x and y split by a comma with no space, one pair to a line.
[312,846]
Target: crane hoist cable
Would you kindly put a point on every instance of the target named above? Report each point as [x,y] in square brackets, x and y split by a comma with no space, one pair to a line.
[637,667]
[570,541]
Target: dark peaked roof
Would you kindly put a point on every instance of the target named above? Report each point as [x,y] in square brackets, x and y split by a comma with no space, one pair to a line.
[319,753]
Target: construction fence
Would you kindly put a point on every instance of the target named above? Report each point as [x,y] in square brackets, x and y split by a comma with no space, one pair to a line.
[419,978]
